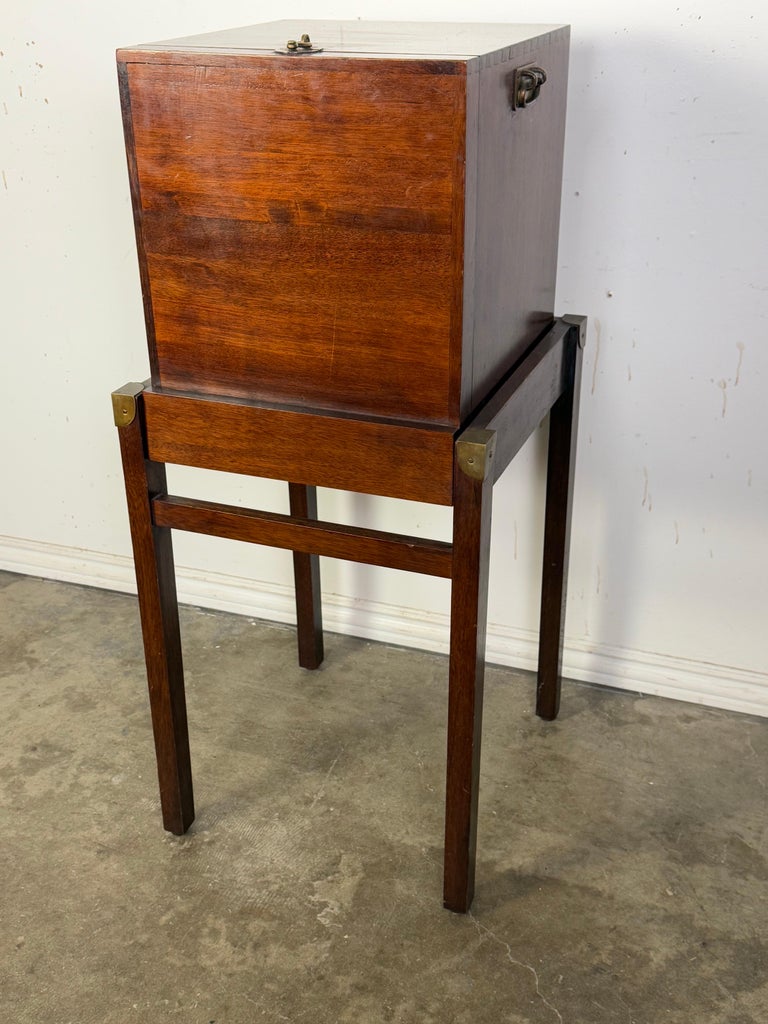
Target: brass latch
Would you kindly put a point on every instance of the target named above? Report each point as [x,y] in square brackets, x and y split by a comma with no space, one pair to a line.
[303,45]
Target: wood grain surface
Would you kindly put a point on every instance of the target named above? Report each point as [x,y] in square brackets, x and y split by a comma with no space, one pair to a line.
[299,231]
[519,178]
[238,436]
[372,547]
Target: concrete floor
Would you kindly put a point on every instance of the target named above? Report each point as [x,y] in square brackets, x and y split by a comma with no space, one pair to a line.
[622,866]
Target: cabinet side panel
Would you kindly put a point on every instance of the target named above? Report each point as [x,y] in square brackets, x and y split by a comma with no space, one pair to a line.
[298,227]
[519,181]
[133,177]
[466,280]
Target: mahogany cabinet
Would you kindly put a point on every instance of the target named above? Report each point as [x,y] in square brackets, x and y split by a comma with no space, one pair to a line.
[347,238]
[369,226]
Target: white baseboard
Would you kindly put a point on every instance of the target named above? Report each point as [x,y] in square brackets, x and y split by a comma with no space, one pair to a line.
[698,682]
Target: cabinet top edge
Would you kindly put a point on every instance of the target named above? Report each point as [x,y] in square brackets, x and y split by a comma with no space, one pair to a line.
[458,41]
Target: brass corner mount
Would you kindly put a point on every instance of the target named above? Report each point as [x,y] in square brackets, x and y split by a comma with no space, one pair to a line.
[474,452]
[124,403]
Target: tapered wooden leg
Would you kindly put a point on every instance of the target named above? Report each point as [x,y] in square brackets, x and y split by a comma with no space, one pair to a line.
[153,558]
[306,574]
[563,419]
[469,601]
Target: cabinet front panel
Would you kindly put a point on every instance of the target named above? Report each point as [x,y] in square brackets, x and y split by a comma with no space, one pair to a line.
[302,232]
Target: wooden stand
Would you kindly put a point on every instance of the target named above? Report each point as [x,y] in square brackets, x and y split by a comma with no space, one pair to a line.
[376,456]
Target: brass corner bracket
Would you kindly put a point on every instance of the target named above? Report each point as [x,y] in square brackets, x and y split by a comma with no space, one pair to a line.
[581,323]
[474,452]
[124,403]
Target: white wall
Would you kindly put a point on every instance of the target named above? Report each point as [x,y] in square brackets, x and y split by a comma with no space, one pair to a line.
[664,244]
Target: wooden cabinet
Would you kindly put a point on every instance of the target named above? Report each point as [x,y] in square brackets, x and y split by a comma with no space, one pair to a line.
[348,262]
[370,229]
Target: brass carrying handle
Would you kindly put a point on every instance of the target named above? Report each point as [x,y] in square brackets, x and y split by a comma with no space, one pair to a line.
[526,85]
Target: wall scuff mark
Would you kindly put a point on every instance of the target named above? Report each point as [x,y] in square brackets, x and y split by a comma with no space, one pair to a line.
[740,347]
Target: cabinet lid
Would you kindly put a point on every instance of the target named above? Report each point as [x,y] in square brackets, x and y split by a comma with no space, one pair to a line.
[370,39]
